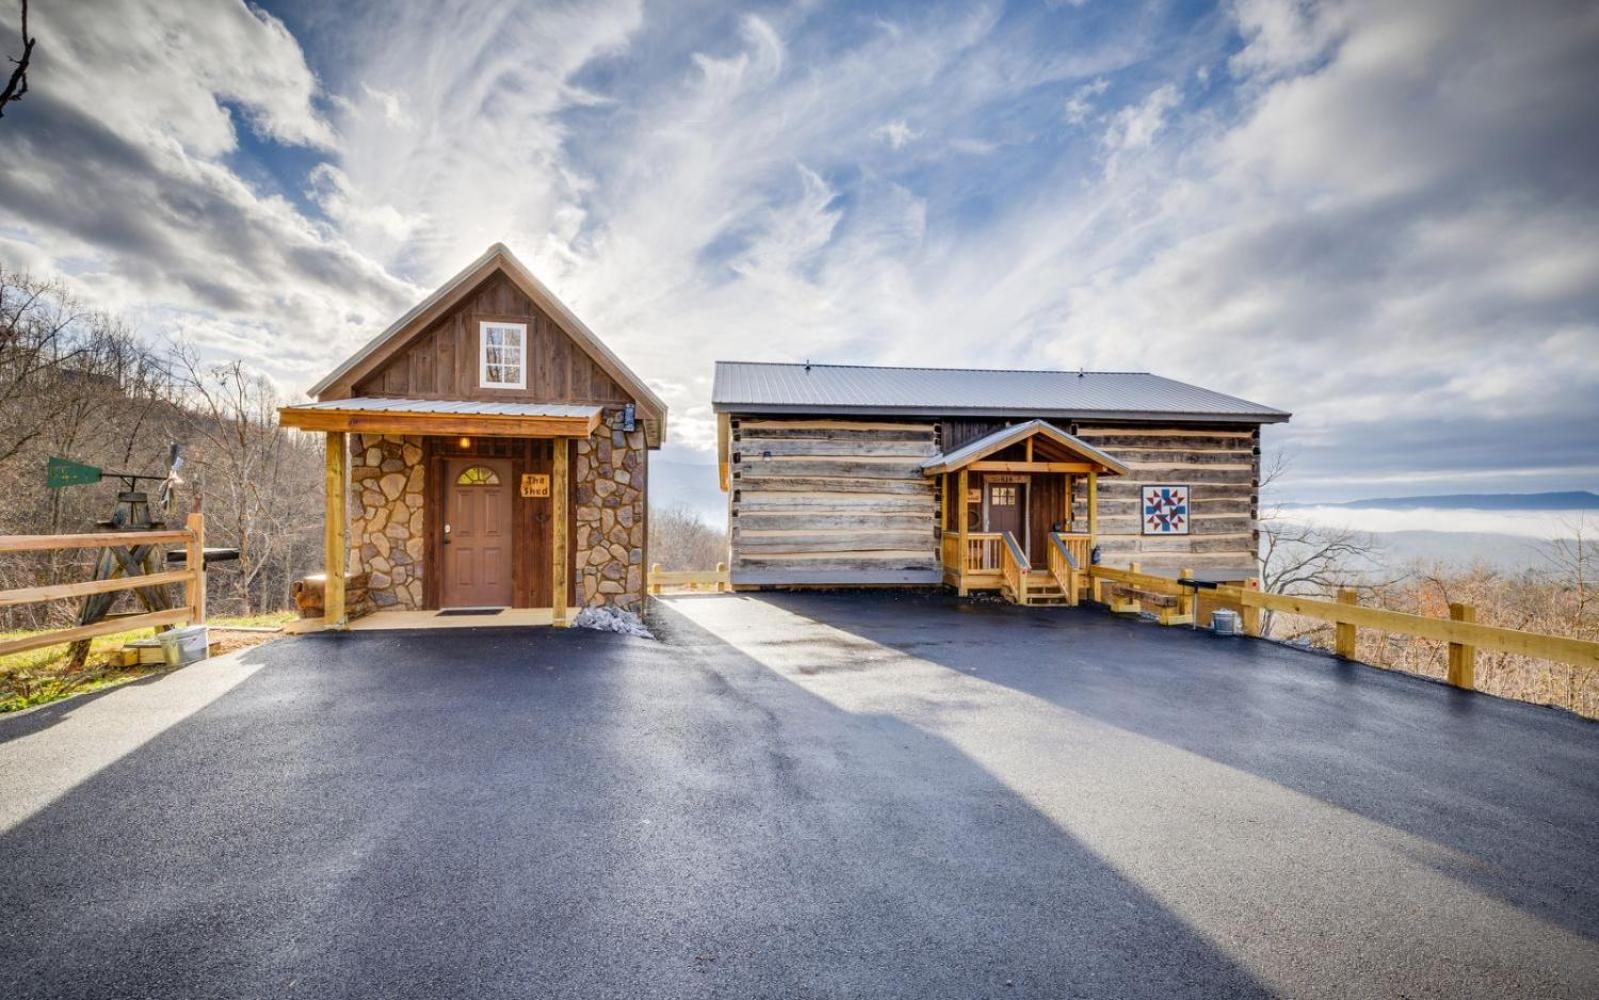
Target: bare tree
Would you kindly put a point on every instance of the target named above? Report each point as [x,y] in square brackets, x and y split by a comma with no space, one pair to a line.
[18,84]
[681,540]
[1308,559]
[256,481]
[1575,561]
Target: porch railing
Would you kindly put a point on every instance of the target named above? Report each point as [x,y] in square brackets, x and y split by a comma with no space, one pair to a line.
[980,552]
[1068,560]
[1015,567]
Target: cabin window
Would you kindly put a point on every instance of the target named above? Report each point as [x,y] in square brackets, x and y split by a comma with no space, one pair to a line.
[477,475]
[504,355]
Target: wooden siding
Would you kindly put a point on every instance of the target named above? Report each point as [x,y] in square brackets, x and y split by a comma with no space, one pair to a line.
[1220,464]
[441,362]
[819,501]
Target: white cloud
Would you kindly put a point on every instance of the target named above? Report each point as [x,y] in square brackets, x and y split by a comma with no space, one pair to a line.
[1383,221]
[1081,104]
[896,133]
[1135,126]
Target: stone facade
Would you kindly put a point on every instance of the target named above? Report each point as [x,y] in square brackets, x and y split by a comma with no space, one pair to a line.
[386,483]
[608,485]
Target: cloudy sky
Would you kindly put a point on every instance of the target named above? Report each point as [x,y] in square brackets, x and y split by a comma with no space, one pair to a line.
[1381,216]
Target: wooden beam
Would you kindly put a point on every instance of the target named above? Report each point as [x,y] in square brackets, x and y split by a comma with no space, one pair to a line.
[1093,507]
[1462,656]
[88,540]
[333,540]
[171,616]
[194,562]
[558,498]
[1030,466]
[1344,632]
[960,526]
[61,591]
[724,448]
[441,424]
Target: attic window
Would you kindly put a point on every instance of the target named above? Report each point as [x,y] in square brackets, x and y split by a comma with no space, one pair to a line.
[503,349]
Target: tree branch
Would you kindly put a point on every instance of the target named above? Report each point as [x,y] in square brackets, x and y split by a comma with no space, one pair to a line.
[18,84]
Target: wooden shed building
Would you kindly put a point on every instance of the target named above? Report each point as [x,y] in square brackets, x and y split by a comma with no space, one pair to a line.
[855,475]
[486,451]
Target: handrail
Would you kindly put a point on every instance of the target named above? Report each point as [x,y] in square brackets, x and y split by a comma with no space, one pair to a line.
[1015,566]
[1063,565]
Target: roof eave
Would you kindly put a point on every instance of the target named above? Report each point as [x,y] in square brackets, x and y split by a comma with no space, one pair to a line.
[1269,417]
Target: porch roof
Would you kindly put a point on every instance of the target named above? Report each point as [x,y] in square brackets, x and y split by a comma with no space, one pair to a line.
[1007,436]
[482,418]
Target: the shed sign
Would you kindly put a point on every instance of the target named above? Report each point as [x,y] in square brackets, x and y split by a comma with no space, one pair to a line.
[535,485]
[1165,510]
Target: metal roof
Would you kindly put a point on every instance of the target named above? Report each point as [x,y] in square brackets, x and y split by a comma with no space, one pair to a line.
[462,407]
[1007,436]
[762,387]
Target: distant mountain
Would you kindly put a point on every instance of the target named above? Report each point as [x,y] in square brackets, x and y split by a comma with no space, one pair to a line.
[1571,500]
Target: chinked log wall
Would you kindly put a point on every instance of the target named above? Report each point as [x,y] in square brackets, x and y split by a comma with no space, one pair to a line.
[832,502]
[1220,464]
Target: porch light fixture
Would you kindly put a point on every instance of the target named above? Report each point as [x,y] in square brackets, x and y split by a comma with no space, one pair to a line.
[465,443]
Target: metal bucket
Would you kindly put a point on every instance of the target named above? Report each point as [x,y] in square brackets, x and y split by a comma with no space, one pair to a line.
[1224,622]
[185,645]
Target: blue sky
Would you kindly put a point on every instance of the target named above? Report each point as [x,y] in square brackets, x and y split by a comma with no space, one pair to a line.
[1379,216]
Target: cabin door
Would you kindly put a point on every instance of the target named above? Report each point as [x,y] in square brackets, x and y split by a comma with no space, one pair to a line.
[1005,508]
[477,533]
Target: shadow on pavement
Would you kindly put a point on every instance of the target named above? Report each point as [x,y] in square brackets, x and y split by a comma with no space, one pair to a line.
[514,813]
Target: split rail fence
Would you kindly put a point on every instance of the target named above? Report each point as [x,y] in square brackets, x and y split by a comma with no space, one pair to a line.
[1463,634]
[191,576]
[689,581]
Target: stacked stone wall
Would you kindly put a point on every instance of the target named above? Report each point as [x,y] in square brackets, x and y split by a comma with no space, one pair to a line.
[386,487]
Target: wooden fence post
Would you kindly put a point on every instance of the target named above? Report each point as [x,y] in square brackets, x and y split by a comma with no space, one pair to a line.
[1462,657]
[194,564]
[655,578]
[1249,613]
[1343,632]
[1186,603]
[722,583]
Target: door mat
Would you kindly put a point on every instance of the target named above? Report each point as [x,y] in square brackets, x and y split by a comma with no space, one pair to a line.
[453,612]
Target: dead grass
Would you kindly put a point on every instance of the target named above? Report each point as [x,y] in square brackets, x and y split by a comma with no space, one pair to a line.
[40,676]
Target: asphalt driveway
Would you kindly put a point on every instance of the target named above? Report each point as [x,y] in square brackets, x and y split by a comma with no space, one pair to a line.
[797,796]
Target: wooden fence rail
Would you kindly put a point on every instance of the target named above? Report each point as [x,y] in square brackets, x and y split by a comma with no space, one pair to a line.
[192,576]
[1463,634]
[717,581]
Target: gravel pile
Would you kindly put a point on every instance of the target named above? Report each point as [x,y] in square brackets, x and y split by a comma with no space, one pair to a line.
[604,619]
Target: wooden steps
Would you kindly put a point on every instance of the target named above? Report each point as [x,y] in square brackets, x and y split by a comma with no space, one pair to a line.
[1043,591]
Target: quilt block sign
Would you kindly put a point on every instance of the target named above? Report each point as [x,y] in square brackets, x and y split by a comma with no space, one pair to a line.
[1165,510]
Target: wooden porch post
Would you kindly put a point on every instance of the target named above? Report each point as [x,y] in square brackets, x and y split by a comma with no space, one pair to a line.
[1093,508]
[960,511]
[333,541]
[558,488]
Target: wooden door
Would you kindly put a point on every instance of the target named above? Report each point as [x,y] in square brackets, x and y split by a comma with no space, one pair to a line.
[477,533]
[1005,509]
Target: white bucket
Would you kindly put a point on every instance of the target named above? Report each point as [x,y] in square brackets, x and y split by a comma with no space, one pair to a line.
[185,645]
[1224,622]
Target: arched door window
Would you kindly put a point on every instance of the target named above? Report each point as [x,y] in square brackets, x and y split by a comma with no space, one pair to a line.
[477,475]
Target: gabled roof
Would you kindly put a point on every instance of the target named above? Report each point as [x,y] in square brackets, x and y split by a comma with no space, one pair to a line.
[498,258]
[759,387]
[1007,436]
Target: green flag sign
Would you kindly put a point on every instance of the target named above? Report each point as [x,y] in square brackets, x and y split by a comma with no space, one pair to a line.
[59,472]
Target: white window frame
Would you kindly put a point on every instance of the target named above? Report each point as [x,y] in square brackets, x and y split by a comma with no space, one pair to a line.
[483,354]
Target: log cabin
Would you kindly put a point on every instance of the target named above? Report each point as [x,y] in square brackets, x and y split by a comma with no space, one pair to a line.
[844,475]
[486,451]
